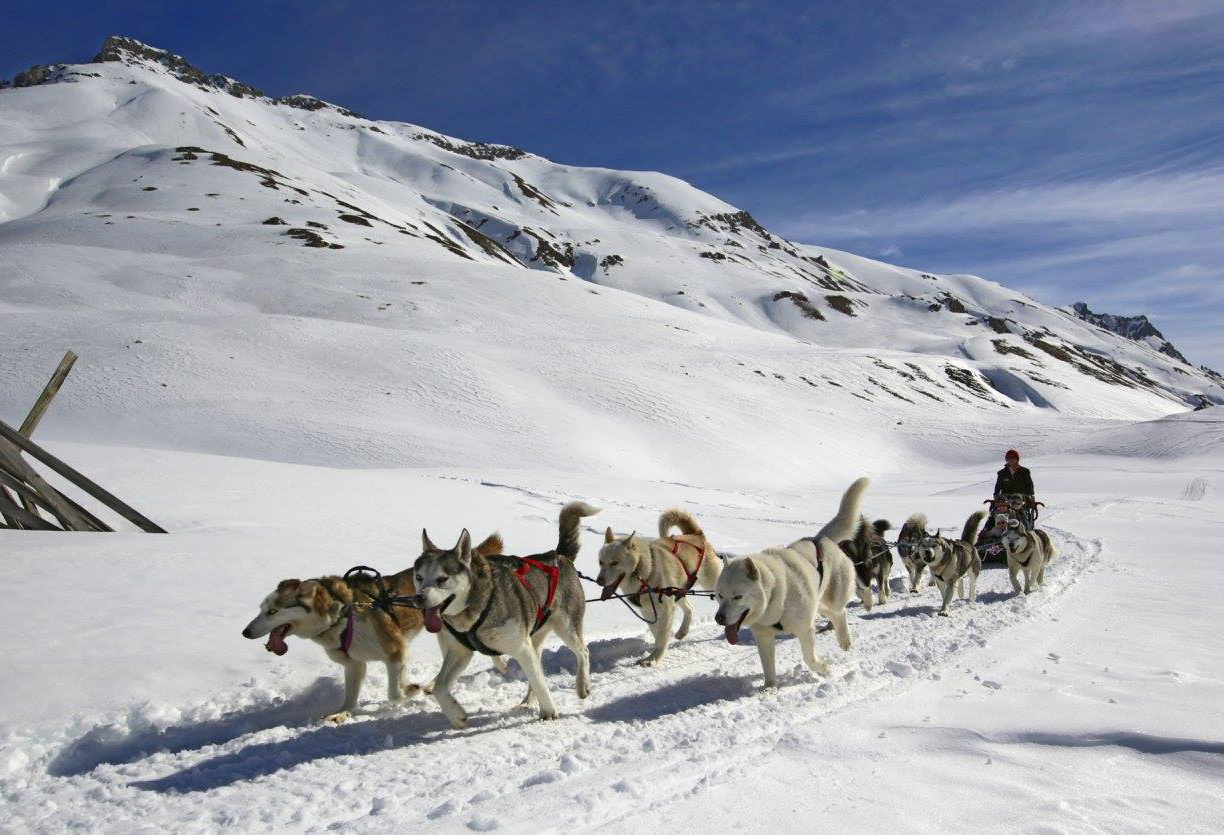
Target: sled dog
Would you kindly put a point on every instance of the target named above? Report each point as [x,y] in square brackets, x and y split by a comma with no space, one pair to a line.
[912,534]
[1027,551]
[333,612]
[632,563]
[504,605]
[872,560]
[781,590]
[950,560]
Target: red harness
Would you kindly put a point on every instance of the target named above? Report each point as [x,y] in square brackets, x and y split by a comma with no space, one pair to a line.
[690,576]
[554,574]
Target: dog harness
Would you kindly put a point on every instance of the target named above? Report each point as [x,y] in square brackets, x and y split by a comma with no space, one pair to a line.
[543,613]
[469,639]
[690,576]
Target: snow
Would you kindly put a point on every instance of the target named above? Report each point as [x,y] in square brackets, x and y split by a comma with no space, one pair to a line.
[289,412]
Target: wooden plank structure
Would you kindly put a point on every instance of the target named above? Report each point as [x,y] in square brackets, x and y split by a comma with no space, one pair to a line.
[28,501]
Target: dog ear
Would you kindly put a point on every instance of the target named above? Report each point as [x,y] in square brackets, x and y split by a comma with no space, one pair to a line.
[426,542]
[464,546]
[630,544]
[307,591]
[608,535]
[750,570]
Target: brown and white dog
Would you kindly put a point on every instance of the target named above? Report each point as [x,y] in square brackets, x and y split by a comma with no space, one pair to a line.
[321,610]
[951,560]
[872,559]
[630,563]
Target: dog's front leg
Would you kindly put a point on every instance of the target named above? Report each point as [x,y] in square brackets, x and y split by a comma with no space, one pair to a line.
[537,641]
[395,680]
[864,595]
[529,660]
[661,629]
[947,589]
[765,648]
[1013,572]
[807,643]
[454,662]
[354,675]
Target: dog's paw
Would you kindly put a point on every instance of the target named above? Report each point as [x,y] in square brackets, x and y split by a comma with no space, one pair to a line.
[338,717]
[649,662]
[547,715]
[681,634]
[943,613]
[822,668]
[459,722]
[770,684]
[584,692]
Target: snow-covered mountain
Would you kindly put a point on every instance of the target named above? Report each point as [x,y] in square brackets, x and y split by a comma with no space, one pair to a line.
[1138,328]
[308,277]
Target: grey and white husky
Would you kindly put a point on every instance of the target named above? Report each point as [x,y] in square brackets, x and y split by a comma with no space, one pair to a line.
[1027,551]
[872,560]
[912,533]
[950,560]
[781,590]
[501,605]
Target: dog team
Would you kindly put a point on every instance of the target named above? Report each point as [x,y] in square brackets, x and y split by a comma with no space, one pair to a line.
[478,600]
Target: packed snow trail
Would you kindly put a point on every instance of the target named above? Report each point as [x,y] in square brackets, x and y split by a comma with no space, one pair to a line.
[255,758]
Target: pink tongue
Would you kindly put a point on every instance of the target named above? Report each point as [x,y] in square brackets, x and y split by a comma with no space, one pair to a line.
[276,641]
[433,619]
[732,633]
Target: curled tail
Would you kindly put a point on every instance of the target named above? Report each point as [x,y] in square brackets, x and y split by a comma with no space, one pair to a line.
[677,518]
[972,525]
[917,523]
[569,525]
[843,525]
[881,526]
[491,546]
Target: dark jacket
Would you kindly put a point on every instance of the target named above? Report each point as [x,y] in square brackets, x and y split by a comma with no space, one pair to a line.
[1019,482]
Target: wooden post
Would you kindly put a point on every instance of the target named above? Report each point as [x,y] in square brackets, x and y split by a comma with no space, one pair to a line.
[63,512]
[48,394]
[31,521]
[42,403]
[15,438]
[13,482]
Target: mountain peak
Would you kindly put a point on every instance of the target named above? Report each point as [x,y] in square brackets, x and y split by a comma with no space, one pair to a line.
[122,49]
[1138,328]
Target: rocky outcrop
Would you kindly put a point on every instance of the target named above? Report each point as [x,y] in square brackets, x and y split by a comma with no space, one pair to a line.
[1138,328]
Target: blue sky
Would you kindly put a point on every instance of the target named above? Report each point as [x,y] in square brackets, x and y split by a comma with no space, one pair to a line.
[1072,150]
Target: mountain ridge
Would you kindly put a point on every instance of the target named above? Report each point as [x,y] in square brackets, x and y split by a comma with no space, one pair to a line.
[127,188]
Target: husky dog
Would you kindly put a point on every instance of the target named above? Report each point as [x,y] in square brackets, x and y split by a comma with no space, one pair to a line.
[339,615]
[502,605]
[632,563]
[950,560]
[912,533]
[781,590]
[1027,551]
[872,559]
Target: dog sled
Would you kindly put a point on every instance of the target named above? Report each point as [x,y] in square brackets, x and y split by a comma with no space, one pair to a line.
[1005,507]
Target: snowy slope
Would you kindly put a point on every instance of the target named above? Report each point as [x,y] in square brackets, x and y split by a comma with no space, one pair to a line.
[1085,707]
[205,248]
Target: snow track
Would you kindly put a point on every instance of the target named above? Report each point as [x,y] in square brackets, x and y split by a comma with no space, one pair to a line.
[256,758]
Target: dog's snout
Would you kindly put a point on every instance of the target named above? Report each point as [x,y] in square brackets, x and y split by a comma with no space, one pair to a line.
[246,633]
[720,618]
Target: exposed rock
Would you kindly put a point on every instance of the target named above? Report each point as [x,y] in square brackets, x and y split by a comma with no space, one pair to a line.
[802,302]
[1138,328]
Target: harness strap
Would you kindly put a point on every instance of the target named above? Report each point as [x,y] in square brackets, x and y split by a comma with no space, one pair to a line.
[346,637]
[543,613]
[469,638]
[690,576]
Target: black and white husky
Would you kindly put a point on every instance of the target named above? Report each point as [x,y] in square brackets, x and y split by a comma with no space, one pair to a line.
[504,605]
[872,560]
[951,560]
[912,533]
[1027,551]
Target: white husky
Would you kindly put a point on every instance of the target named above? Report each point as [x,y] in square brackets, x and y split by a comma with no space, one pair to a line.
[781,590]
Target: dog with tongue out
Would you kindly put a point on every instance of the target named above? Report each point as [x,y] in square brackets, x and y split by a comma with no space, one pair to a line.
[781,590]
[338,614]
